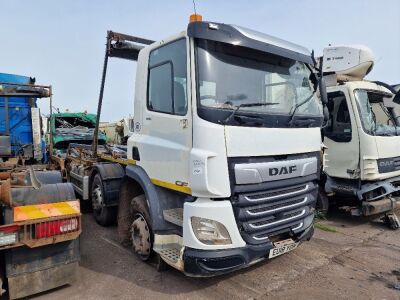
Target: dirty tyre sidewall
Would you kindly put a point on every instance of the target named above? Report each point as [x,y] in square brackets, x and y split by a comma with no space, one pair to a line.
[125,218]
[139,206]
[106,215]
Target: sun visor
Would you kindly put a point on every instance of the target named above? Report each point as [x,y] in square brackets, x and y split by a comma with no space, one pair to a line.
[239,36]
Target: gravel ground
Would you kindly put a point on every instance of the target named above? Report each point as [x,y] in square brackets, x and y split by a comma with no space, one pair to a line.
[361,260]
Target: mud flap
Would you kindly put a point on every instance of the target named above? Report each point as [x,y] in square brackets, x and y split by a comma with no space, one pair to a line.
[34,270]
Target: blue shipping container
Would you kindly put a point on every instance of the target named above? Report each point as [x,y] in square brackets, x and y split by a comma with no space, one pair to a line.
[19,114]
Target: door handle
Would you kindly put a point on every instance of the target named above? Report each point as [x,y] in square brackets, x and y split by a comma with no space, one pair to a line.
[148,118]
[184,123]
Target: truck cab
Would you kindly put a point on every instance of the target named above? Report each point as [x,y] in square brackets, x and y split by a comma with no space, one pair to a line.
[214,123]
[223,162]
[71,127]
[20,127]
[363,135]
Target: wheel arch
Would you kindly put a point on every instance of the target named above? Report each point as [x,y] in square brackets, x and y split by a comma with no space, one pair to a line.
[137,176]
[158,198]
[111,175]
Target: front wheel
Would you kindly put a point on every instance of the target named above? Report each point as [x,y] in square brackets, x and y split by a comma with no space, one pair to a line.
[141,233]
[103,214]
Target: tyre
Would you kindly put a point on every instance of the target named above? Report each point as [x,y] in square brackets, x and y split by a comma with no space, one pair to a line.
[102,214]
[141,233]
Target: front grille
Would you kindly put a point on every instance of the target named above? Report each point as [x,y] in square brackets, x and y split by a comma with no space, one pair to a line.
[274,219]
[277,194]
[264,214]
[267,208]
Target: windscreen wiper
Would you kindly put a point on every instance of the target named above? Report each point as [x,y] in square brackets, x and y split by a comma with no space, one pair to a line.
[247,105]
[298,105]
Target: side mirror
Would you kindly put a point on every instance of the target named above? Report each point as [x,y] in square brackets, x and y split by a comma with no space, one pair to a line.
[322,90]
[326,114]
[396,98]
[324,98]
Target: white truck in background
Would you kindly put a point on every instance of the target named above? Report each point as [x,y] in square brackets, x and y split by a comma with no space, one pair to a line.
[118,132]
[362,156]
[222,166]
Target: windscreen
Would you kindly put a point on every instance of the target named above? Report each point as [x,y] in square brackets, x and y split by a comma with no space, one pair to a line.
[376,118]
[73,122]
[230,76]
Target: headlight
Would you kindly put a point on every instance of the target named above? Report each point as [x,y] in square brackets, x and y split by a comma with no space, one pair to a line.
[210,232]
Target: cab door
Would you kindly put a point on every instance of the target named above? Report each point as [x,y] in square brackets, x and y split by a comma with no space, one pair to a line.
[342,156]
[166,136]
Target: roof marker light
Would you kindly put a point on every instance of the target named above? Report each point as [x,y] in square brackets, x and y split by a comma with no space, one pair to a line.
[213,26]
[195,18]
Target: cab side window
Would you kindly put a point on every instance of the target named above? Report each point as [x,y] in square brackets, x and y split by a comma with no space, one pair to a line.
[339,128]
[166,90]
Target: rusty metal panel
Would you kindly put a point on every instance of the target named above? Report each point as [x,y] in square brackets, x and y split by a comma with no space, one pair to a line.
[5,191]
[40,281]
[23,260]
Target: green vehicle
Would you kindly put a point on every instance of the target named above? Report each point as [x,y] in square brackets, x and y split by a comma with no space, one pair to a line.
[65,128]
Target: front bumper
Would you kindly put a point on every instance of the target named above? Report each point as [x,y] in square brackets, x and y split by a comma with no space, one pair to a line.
[377,207]
[207,263]
[374,198]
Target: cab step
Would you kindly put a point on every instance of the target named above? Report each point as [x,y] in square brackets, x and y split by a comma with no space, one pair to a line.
[171,254]
[174,216]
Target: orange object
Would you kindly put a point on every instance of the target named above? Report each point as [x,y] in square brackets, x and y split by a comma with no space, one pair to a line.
[41,211]
[195,18]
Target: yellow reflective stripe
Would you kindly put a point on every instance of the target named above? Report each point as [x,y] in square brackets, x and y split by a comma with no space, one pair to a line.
[64,208]
[165,184]
[118,160]
[172,186]
[41,211]
[32,212]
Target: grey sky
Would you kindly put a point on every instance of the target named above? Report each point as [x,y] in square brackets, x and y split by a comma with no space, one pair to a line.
[62,42]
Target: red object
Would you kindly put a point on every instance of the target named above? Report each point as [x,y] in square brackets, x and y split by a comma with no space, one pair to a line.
[52,228]
[11,228]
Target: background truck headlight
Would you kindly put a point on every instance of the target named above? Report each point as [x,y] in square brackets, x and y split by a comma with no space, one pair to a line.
[210,232]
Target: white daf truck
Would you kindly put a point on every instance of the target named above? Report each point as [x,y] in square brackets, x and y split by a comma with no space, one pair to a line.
[222,166]
[362,138]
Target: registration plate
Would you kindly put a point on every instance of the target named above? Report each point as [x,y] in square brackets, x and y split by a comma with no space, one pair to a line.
[282,247]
